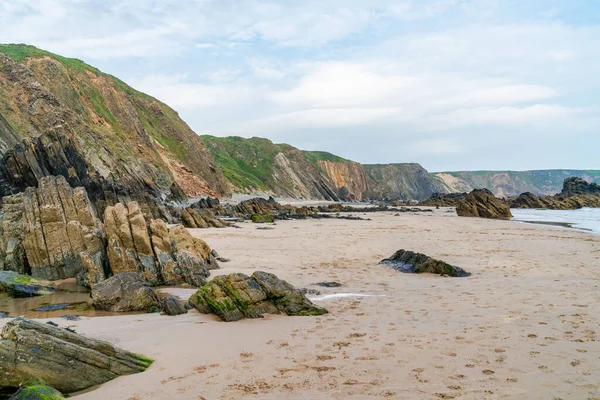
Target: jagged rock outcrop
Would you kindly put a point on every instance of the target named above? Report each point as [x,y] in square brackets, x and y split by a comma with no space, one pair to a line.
[52,232]
[576,194]
[17,285]
[160,255]
[124,292]
[191,218]
[237,296]
[482,203]
[65,360]
[530,200]
[258,205]
[48,231]
[443,200]
[574,186]
[411,262]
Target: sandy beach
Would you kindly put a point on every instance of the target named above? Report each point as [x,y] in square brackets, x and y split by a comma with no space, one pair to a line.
[525,325]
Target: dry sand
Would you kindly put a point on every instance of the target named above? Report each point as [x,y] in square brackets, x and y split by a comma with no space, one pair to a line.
[525,325]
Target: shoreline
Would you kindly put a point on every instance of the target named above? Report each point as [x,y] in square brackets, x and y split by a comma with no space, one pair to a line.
[524,325]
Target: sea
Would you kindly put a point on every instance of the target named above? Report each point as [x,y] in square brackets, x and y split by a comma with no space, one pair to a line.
[587,219]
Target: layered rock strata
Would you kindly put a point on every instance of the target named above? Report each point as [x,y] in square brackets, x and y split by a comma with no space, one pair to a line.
[65,360]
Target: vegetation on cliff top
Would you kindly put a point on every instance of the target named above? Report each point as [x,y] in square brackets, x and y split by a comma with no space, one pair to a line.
[246,163]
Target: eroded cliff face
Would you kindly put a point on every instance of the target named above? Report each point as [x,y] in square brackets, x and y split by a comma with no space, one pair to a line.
[399,181]
[259,166]
[60,116]
[348,178]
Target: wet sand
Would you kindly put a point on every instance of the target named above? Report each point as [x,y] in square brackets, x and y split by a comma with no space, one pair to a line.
[525,325]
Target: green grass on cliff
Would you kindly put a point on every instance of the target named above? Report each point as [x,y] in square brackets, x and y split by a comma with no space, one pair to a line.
[316,156]
[20,52]
[246,163]
[84,87]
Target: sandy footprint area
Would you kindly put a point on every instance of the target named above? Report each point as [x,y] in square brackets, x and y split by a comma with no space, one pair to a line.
[525,325]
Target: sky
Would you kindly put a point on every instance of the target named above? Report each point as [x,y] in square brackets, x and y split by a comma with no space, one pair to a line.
[451,84]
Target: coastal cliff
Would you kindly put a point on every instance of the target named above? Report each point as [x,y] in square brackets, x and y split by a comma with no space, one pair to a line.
[260,166]
[60,116]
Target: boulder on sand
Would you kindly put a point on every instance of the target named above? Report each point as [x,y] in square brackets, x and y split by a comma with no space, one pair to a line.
[172,306]
[66,361]
[482,203]
[126,292]
[237,296]
[411,262]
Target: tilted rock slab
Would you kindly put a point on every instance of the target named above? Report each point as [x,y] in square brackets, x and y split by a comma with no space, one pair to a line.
[66,361]
[237,296]
[482,203]
[52,232]
[48,230]
[159,254]
[411,262]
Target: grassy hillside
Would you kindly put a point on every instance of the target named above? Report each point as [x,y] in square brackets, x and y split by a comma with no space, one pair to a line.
[247,164]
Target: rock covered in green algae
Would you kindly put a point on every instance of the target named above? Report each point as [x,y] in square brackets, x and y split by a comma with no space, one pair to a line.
[237,296]
[17,285]
[36,389]
[65,360]
[411,262]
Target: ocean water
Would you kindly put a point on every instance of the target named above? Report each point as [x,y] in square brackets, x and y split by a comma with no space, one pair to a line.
[585,218]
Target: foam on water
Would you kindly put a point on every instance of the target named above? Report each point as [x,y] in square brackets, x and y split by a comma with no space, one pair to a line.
[324,297]
[585,218]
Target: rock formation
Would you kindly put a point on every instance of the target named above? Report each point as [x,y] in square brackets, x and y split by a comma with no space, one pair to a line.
[411,262]
[48,231]
[443,200]
[576,194]
[575,186]
[482,203]
[192,218]
[125,292]
[159,254]
[65,360]
[237,296]
[52,232]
